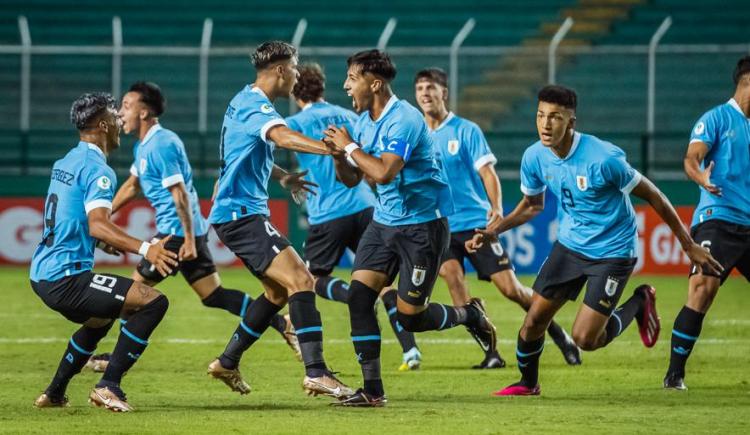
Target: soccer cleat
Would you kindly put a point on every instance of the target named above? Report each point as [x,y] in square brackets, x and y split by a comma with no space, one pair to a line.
[231,377]
[111,398]
[484,331]
[674,382]
[518,390]
[412,360]
[649,324]
[492,360]
[361,399]
[569,349]
[98,363]
[327,385]
[47,401]
[290,336]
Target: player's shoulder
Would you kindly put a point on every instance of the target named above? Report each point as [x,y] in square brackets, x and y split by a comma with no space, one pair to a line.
[404,114]
[465,126]
[534,151]
[595,148]
[249,101]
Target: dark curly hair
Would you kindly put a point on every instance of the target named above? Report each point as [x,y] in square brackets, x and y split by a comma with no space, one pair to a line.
[375,62]
[151,96]
[435,75]
[311,83]
[560,95]
[88,107]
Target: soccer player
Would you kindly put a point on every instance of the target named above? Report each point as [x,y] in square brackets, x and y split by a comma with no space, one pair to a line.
[718,160]
[469,167]
[409,232]
[597,236]
[251,130]
[76,214]
[161,171]
[338,215]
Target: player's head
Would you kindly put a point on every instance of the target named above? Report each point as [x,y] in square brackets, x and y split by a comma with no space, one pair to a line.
[143,101]
[556,114]
[276,61]
[431,89]
[742,72]
[369,72]
[311,84]
[95,116]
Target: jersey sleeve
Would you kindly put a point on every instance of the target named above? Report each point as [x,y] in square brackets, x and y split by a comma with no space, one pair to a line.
[616,170]
[531,177]
[707,128]
[479,149]
[165,162]
[399,138]
[263,120]
[99,187]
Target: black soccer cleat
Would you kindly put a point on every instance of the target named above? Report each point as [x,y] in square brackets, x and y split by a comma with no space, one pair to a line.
[569,349]
[362,400]
[483,330]
[492,360]
[674,382]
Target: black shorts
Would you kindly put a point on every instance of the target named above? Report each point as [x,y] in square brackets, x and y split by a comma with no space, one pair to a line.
[86,295]
[413,252]
[327,242]
[192,270]
[564,273]
[254,240]
[729,244]
[490,259]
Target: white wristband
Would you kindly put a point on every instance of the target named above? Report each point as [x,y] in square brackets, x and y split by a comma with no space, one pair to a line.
[144,248]
[350,148]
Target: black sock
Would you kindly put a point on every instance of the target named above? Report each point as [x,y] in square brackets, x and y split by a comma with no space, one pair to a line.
[133,338]
[527,354]
[306,321]
[366,335]
[234,301]
[623,316]
[80,347]
[405,338]
[555,332]
[686,330]
[331,288]
[437,317]
[251,327]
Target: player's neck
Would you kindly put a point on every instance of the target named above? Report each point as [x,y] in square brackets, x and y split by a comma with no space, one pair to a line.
[434,120]
[563,148]
[379,101]
[266,85]
[145,127]
[95,139]
[743,100]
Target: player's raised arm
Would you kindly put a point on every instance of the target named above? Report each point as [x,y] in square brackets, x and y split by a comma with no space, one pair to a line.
[693,161]
[384,169]
[129,191]
[285,137]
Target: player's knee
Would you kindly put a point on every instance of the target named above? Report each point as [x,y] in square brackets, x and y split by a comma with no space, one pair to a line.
[413,322]
[585,340]
[160,304]
[301,280]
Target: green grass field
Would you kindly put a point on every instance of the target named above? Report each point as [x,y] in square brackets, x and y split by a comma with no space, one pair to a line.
[616,390]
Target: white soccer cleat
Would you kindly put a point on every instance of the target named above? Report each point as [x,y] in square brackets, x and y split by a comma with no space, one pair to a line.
[231,377]
[109,398]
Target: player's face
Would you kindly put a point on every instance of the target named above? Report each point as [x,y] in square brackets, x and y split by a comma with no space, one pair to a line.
[111,123]
[359,87]
[132,110]
[430,96]
[289,76]
[552,123]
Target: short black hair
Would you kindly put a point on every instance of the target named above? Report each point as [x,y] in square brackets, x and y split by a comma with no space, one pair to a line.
[560,95]
[151,96]
[271,52]
[375,62]
[88,107]
[742,68]
[435,75]
[311,83]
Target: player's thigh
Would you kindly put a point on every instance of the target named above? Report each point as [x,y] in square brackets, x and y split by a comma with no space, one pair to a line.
[375,262]
[507,282]
[146,272]
[488,260]
[203,287]
[561,276]
[138,296]
[361,221]
[540,314]
[727,242]
[290,272]
[276,293]
[372,279]
[453,274]
[325,245]
[607,280]
[702,289]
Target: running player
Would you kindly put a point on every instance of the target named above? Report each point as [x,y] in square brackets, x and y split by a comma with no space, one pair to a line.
[76,214]
[597,236]
[718,160]
[477,196]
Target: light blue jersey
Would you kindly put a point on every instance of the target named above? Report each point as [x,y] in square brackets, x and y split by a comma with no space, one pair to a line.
[419,193]
[246,155]
[593,184]
[160,163]
[333,199]
[726,131]
[81,181]
[464,151]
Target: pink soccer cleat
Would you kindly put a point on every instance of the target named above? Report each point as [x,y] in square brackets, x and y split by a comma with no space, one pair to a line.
[518,390]
[649,324]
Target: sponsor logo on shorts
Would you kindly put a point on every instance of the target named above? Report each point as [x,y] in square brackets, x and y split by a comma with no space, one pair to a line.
[414,294]
[610,288]
[418,274]
[503,261]
[605,303]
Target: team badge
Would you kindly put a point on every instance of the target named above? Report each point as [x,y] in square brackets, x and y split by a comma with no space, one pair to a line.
[699,128]
[142,166]
[266,108]
[497,248]
[104,183]
[418,275]
[582,183]
[453,146]
[611,287]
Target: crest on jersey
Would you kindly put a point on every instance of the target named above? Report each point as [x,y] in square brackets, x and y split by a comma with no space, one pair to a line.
[497,248]
[610,288]
[142,166]
[582,183]
[700,128]
[104,183]
[418,275]
[453,146]
[266,108]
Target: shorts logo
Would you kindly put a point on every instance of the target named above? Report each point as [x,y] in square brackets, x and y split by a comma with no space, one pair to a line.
[271,230]
[699,128]
[414,294]
[582,183]
[497,248]
[605,303]
[453,146]
[142,166]
[610,288]
[104,183]
[266,108]
[418,275]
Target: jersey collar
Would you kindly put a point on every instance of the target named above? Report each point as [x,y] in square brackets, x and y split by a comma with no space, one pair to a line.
[258,91]
[388,106]
[151,132]
[573,147]
[309,105]
[447,119]
[732,102]
[96,148]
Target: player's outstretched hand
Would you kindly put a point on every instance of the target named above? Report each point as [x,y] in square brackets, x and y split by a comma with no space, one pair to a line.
[339,136]
[701,258]
[476,242]
[109,249]
[706,182]
[335,152]
[162,258]
[297,185]
[187,250]
[493,220]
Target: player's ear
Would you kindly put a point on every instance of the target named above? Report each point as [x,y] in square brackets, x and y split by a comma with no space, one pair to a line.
[376,85]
